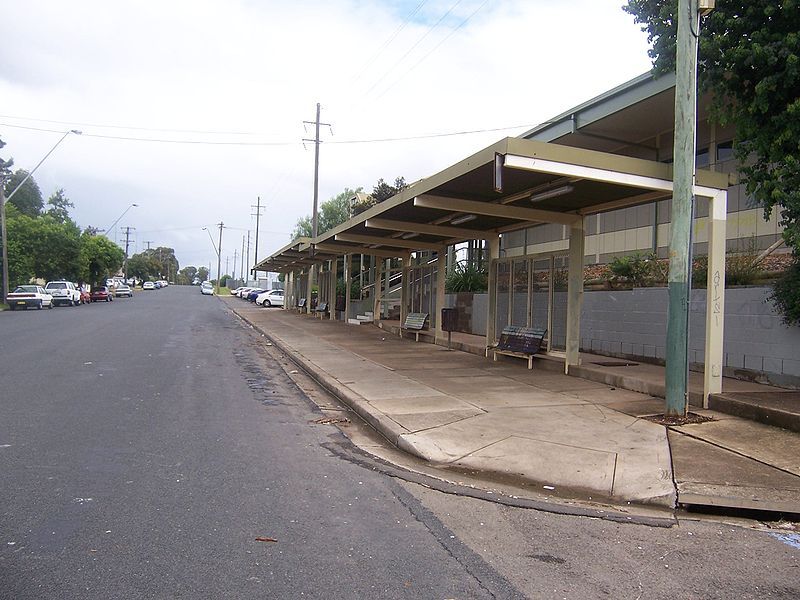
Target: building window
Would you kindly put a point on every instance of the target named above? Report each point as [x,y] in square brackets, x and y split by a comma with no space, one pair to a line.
[724,151]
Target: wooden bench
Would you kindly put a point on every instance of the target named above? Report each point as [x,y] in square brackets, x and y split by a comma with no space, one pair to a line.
[301,305]
[321,310]
[522,342]
[415,322]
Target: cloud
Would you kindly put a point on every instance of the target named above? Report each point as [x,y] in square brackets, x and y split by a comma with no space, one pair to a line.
[189,70]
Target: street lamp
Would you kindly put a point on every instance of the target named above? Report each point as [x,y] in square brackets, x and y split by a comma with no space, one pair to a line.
[212,240]
[30,173]
[3,200]
[218,250]
[120,217]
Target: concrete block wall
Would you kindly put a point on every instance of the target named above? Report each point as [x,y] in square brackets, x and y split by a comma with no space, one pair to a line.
[633,324]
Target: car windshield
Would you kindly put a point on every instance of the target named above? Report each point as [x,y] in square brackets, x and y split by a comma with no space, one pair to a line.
[26,289]
[59,285]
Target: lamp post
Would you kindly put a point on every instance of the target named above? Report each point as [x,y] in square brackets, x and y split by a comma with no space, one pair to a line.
[3,201]
[218,251]
[120,217]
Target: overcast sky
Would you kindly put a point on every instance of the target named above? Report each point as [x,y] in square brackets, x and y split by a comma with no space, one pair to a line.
[194,108]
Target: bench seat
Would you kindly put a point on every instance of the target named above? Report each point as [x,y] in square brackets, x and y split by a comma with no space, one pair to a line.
[520,342]
[415,322]
[321,310]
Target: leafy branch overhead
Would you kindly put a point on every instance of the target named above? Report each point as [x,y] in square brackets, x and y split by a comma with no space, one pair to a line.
[749,60]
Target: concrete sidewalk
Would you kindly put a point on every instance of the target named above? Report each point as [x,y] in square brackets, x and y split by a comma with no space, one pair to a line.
[574,437]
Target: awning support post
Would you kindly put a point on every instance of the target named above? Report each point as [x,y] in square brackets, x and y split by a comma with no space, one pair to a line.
[574,295]
[491,310]
[715,296]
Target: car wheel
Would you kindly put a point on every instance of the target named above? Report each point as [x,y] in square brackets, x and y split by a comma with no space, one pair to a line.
[11,307]
[267,303]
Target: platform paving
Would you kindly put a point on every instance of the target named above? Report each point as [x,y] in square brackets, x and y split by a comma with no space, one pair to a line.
[578,437]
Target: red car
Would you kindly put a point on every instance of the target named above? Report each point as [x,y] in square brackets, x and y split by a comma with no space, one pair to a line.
[102,294]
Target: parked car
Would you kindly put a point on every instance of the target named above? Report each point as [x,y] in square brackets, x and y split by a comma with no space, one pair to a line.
[270,298]
[244,291]
[102,293]
[148,285]
[29,296]
[236,291]
[252,294]
[63,292]
[123,290]
[206,288]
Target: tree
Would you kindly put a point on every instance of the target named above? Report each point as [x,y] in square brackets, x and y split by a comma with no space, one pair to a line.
[332,212]
[99,258]
[749,58]
[143,266]
[383,191]
[29,197]
[59,206]
[41,247]
[380,192]
[202,274]
[56,249]
[21,237]
[186,275]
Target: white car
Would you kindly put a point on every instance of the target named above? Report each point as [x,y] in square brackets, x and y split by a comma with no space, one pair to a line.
[63,292]
[270,298]
[206,288]
[29,296]
[148,285]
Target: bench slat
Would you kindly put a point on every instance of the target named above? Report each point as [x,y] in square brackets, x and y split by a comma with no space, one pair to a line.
[415,321]
[523,340]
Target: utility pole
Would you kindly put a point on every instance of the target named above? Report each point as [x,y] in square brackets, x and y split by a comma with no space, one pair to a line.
[127,245]
[233,273]
[241,268]
[314,216]
[148,243]
[3,233]
[684,150]
[219,255]
[227,263]
[248,255]
[257,216]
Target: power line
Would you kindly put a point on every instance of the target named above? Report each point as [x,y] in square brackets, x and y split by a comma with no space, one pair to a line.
[364,141]
[129,127]
[434,49]
[388,41]
[417,43]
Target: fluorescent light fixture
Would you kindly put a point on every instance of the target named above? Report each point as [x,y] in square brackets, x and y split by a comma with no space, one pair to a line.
[555,192]
[463,219]
[409,235]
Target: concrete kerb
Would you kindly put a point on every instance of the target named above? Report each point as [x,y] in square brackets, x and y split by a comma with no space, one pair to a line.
[397,435]
[388,428]
[394,433]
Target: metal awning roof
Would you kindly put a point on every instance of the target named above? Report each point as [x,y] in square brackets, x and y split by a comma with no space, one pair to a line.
[512,184]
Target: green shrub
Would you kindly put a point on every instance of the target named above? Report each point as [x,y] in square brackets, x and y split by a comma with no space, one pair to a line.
[355,289]
[467,278]
[786,294]
[742,268]
[638,269]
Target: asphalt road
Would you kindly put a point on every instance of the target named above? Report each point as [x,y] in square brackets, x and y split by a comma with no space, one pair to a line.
[145,447]
[147,444]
